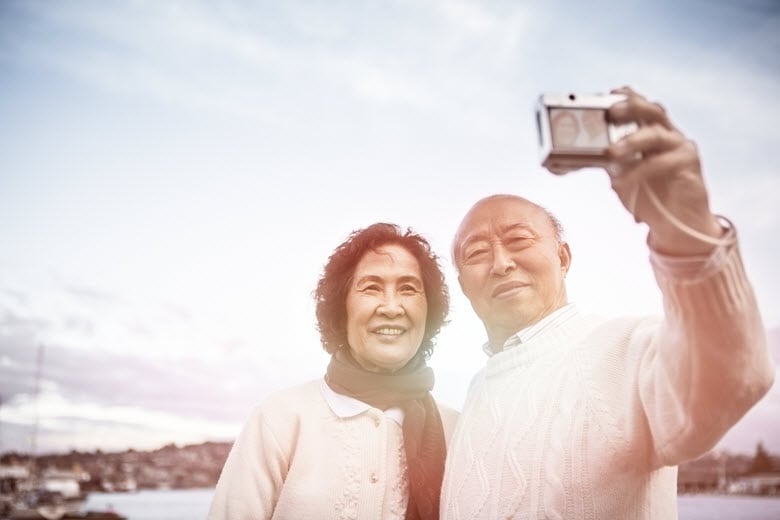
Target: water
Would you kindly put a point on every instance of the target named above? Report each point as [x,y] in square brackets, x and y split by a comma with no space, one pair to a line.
[183,504]
[193,504]
[729,507]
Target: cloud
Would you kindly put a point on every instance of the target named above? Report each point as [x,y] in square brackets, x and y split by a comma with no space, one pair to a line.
[106,429]
[193,57]
[757,200]
[234,62]
[185,386]
[80,367]
[137,399]
[351,112]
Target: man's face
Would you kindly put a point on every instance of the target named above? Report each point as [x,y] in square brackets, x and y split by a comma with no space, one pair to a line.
[386,309]
[512,268]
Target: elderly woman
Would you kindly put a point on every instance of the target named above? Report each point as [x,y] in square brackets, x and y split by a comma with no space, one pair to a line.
[367,441]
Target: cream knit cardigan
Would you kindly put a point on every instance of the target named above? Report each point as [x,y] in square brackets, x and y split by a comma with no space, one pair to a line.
[588,419]
[296,460]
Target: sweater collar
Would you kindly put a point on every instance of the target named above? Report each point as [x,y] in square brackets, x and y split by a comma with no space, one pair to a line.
[552,320]
[557,333]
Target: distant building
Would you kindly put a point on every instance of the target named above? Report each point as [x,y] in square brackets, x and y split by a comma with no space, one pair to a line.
[757,484]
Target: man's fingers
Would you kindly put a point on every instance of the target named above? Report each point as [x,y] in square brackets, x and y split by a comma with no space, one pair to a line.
[677,161]
[638,109]
[646,141]
[625,89]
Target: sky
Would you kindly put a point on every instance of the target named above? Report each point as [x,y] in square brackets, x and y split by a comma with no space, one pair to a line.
[174,175]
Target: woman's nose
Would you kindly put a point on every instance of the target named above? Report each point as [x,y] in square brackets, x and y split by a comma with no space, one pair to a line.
[391,306]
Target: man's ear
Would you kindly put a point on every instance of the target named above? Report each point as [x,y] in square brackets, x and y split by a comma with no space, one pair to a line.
[564,255]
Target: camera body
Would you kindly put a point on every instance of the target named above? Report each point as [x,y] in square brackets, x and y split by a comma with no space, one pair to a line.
[574,131]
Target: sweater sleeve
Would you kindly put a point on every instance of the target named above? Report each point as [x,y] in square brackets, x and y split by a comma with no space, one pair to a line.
[253,474]
[708,364]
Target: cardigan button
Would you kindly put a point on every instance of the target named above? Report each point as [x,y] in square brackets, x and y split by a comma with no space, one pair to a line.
[374,479]
[377,422]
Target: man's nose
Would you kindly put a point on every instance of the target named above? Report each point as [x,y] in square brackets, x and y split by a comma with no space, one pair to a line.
[502,261]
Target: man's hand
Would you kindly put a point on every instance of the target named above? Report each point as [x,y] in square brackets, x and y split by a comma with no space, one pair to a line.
[658,157]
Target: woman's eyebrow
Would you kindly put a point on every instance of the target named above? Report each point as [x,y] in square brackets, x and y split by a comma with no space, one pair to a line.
[409,278]
[378,279]
[369,278]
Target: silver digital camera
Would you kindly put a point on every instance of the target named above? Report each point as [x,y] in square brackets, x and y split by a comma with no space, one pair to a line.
[574,131]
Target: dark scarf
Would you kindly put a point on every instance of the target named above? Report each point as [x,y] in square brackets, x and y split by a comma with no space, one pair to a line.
[408,388]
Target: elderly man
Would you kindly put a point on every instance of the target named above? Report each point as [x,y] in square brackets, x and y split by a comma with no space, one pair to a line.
[577,416]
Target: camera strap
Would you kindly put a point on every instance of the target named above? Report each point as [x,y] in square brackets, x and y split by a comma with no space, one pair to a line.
[682,226]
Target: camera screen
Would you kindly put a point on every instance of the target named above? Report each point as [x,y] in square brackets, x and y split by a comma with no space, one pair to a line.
[579,128]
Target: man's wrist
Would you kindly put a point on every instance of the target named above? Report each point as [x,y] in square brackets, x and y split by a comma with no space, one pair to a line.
[671,241]
[691,266]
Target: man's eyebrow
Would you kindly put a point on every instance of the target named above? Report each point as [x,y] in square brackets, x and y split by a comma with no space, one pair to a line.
[519,225]
[473,237]
[482,236]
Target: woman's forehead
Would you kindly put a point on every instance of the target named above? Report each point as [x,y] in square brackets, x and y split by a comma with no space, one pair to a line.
[388,256]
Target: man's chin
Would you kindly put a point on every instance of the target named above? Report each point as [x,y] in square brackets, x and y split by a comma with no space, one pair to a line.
[510,305]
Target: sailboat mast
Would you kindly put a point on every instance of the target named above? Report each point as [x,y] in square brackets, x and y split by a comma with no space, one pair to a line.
[36,398]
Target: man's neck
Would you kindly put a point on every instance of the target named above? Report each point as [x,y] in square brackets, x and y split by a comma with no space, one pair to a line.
[498,336]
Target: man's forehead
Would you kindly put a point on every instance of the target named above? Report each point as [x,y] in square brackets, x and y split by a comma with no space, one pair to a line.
[490,228]
[500,216]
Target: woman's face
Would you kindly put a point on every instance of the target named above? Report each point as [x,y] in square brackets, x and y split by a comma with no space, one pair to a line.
[565,129]
[386,309]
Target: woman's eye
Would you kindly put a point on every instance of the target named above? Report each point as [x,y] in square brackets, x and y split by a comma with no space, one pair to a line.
[409,289]
[371,289]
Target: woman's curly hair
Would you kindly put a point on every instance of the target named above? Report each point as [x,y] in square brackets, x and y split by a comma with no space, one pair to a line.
[336,279]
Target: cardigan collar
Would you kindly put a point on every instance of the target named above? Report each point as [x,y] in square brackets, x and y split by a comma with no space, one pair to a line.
[345,406]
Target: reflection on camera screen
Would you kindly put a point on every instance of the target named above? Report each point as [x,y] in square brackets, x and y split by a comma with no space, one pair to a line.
[578,128]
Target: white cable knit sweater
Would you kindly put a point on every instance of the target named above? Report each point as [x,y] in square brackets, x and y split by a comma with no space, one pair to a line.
[297,459]
[588,419]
